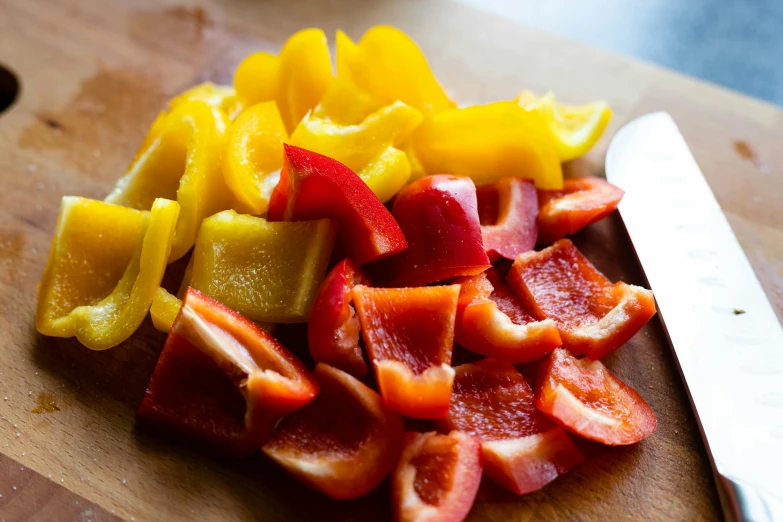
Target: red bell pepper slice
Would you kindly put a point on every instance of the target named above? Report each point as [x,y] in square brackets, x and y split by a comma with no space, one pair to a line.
[342,444]
[439,217]
[313,186]
[437,478]
[586,398]
[582,201]
[491,321]
[523,449]
[221,380]
[409,336]
[594,316]
[507,212]
[333,332]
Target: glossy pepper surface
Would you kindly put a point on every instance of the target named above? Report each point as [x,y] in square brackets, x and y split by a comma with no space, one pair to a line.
[439,217]
[296,79]
[437,477]
[265,271]
[221,97]
[582,201]
[509,228]
[586,398]
[180,160]
[221,380]
[594,316]
[105,266]
[313,186]
[388,64]
[491,321]
[333,330]
[488,142]
[523,450]
[409,336]
[254,156]
[344,459]
[164,310]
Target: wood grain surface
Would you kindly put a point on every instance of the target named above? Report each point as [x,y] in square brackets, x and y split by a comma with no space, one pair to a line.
[95,72]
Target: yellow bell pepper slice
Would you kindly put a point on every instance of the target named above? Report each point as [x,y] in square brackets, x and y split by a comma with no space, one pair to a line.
[105,266]
[183,162]
[296,79]
[222,97]
[346,104]
[389,65]
[367,148]
[164,309]
[254,156]
[574,129]
[488,142]
[265,271]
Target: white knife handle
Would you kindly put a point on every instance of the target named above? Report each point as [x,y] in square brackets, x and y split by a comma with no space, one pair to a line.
[747,504]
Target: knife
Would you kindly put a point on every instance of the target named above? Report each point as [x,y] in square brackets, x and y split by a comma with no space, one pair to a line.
[726,338]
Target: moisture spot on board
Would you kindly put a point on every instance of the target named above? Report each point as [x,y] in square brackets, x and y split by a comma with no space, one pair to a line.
[746,152]
[47,403]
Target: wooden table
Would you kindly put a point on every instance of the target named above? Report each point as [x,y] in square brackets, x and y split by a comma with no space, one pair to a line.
[95,72]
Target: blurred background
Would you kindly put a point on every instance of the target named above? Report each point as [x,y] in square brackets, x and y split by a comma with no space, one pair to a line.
[735,43]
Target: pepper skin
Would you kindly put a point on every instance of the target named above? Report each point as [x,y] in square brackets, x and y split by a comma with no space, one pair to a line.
[513,230]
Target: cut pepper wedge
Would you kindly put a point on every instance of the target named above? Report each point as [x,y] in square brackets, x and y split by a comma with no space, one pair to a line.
[437,477]
[266,271]
[574,129]
[346,104]
[491,321]
[586,398]
[222,97]
[212,348]
[296,79]
[366,148]
[582,201]
[313,186]
[104,268]
[509,222]
[344,459]
[594,316]
[333,330]
[409,336]
[440,221]
[180,160]
[488,142]
[164,309]
[523,450]
[388,64]
[252,161]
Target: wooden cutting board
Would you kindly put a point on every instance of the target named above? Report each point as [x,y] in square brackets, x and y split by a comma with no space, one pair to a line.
[93,75]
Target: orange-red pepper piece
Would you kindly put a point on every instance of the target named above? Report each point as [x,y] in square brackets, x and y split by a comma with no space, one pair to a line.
[594,316]
[333,331]
[491,321]
[507,211]
[437,477]
[582,201]
[523,450]
[342,444]
[221,380]
[586,398]
[409,336]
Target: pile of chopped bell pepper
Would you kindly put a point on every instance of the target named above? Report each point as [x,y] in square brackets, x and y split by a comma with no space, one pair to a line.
[400,231]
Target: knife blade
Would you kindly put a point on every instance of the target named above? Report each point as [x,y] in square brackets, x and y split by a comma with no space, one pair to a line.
[726,338]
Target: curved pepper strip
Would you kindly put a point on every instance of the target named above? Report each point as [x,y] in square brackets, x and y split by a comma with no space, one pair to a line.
[253,158]
[523,450]
[182,162]
[491,321]
[488,142]
[388,64]
[221,380]
[367,148]
[595,317]
[265,271]
[296,79]
[222,97]
[164,310]
[105,266]
[409,336]
[512,229]
[582,202]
